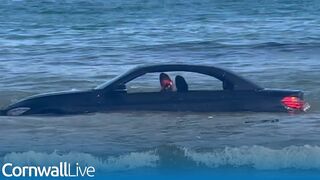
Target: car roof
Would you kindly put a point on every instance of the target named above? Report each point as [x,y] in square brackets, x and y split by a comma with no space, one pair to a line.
[239,82]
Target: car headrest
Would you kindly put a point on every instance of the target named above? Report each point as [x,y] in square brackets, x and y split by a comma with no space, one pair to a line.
[181,84]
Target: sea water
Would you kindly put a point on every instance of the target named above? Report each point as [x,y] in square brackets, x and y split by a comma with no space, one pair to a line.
[53,45]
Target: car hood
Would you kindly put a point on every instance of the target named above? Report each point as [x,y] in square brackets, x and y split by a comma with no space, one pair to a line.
[53,96]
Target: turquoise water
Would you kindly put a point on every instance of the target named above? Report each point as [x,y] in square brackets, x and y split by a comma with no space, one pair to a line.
[48,46]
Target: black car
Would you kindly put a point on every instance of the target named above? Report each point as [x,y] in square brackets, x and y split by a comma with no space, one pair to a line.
[237,94]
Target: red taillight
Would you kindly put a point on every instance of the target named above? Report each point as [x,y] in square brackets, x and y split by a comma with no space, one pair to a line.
[293,103]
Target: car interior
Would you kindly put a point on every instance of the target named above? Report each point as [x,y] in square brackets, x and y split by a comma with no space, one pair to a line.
[181,84]
[150,83]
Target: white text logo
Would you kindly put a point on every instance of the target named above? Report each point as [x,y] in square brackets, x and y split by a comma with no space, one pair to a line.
[64,169]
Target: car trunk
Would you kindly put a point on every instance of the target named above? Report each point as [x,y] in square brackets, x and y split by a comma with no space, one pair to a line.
[291,100]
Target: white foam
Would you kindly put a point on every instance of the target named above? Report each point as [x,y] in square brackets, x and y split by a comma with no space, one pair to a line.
[259,157]
[123,162]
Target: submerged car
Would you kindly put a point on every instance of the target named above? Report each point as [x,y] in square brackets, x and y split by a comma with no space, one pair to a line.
[237,94]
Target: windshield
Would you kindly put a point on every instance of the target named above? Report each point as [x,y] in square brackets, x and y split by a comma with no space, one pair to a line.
[116,78]
[102,86]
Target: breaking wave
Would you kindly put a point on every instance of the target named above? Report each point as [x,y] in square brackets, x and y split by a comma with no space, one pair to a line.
[257,157]
[113,163]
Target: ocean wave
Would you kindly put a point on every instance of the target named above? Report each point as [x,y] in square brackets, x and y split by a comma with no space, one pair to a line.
[219,45]
[260,157]
[257,157]
[113,163]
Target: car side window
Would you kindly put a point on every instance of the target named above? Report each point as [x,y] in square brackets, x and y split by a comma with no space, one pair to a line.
[146,83]
[198,82]
[193,81]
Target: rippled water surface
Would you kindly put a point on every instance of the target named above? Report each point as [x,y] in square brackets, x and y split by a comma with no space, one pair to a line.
[48,46]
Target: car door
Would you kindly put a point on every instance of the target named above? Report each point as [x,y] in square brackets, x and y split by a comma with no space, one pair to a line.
[206,93]
[157,101]
[212,101]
